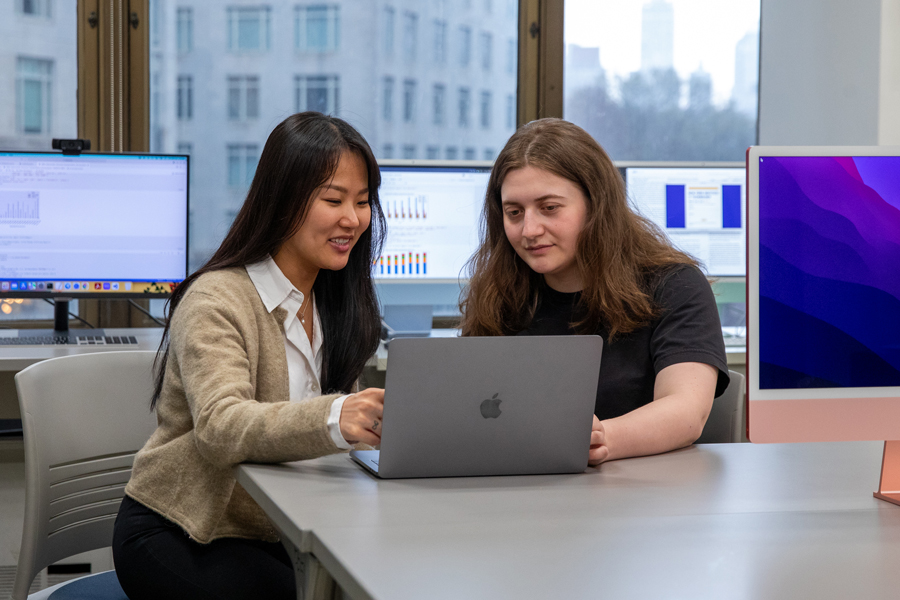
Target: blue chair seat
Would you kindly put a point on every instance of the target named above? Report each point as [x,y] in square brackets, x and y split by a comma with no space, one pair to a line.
[99,586]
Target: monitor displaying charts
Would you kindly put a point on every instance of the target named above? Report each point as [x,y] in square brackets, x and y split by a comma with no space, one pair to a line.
[700,206]
[99,225]
[432,211]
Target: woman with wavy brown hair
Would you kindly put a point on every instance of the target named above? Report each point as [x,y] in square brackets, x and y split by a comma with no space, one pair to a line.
[562,253]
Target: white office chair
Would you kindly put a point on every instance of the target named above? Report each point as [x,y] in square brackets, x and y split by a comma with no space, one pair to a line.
[726,419]
[83,417]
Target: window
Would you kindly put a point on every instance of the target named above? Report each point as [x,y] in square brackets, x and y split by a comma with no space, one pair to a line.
[432,152]
[249,28]
[666,98]
[409,101]
[184,22]
[243,97]
[185,102]
[487,48]
[440,42]
[489,154]
[438,94]
[242,159]
[409,151]
[187,148]
[469,154]
[464,106]
[387,37]
[512,52]
[410,35]
[317,28]
[451,153]
[38,8]
[465,46]
[387,151]
[317,92]
[485,110]
[33,94]
[387,106]
[510,111]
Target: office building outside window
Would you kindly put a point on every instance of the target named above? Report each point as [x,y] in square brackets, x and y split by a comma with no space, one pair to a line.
[184,25]
[387,151]
[409,101]
[387,100]
[317,28]
[511,56]
[37,8]
[465,102]
[438,102]
[440,42]
[33,94]
[243,97]
[388,17]
[320,93]
[451,153]
[487,50]
[465,46]
[469,154]
[510,111]
[489,154]
[242,159]
[249,28]
[185,100]
[410,35]
[485,110]
[409,151]
[432,152]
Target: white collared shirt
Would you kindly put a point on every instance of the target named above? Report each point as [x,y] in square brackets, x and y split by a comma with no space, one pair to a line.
[304,360]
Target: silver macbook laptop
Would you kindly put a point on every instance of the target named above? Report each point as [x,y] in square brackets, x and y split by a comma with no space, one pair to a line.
[487,406]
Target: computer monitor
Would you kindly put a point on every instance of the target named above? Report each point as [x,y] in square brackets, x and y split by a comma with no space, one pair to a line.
[700,206]
[92,225]
[433,211]
[823,294]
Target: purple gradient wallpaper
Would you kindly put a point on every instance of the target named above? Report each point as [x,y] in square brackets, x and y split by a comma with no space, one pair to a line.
[829,272]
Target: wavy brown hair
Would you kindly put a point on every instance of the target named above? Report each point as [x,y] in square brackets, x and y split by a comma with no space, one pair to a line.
[617,253]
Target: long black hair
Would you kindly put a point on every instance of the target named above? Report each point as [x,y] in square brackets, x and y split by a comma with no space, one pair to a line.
[301,155]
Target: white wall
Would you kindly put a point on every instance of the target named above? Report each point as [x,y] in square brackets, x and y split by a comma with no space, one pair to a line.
[821,72]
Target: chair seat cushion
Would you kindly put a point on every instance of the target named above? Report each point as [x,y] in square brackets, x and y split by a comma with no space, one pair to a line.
[101,586]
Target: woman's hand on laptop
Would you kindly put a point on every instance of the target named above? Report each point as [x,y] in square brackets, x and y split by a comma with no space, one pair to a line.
[599,450]
[361,417]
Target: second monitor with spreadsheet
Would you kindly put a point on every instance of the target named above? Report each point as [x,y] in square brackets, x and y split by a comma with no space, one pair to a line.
[700,207]
[432,213]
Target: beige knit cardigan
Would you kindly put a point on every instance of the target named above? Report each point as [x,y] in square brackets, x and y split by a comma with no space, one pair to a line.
[225,400]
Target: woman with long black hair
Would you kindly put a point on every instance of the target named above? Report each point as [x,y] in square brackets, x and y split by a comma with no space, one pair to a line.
[262,349]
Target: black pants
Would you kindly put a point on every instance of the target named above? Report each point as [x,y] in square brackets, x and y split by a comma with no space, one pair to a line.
[155,558]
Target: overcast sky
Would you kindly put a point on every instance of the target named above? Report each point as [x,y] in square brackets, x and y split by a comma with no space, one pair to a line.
[706,32]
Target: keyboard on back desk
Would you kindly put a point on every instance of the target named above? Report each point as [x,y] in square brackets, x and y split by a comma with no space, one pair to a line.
[62,340]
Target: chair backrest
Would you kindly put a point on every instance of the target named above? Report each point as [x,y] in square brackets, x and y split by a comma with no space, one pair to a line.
[84,417]
[726,419]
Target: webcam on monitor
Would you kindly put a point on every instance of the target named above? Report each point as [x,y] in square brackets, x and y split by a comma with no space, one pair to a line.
[76,146]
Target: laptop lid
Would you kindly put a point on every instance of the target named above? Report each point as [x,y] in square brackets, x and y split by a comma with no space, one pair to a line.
[489,405]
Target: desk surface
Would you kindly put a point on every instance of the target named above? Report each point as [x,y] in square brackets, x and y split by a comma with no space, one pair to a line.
[714,521]
[16,358]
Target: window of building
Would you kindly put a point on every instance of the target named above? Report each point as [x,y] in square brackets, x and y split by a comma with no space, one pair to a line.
[387,151]
[184,102]
[37,8]
[387,36]
[438,96]
[387,103]
[409,100]
[512,51]
[33,94]
[432,152]
[485,110]
[465,46]
[465,102]
[487,50]
[637,80]
[451,153]
[242,159]
[469,154]
[410,35]
[490,154]
[243,97]
[184,26]
[440,42]
[317,92]
[317,27]
[187,148]
[249,28]
[510,111]
[409,151]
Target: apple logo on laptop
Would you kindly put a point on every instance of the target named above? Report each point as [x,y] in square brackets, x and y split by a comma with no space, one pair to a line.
[490,408]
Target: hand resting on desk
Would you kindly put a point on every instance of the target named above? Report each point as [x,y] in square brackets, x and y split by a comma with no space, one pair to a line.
[361,417]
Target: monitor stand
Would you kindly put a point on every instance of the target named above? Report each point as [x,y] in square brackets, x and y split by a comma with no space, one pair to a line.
[889,486]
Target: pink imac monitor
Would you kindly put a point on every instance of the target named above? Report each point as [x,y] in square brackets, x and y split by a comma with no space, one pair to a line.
[823,294]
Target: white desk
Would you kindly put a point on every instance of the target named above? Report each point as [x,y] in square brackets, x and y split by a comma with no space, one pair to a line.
[716,521]
[16,358]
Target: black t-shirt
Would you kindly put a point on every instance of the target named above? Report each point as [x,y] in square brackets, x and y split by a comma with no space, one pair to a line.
[686,330]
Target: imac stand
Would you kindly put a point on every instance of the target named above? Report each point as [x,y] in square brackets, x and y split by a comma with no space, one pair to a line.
[61,315]
[889,486]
